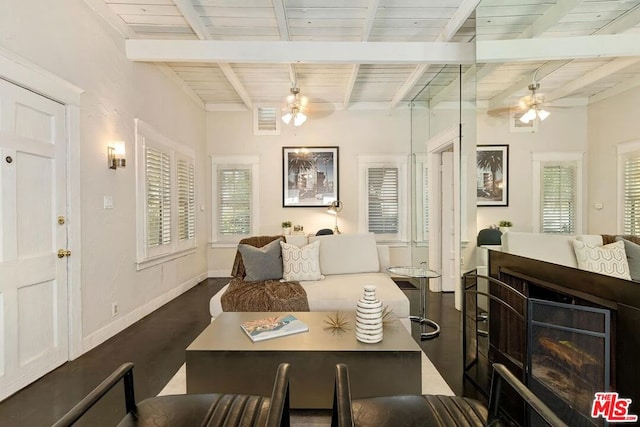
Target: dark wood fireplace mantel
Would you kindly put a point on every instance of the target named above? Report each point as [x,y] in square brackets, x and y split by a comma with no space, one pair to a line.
[622,297]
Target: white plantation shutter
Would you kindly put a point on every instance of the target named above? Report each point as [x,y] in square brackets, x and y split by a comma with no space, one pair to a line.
[165,197]
[186,200]
[383,200]
[234,194]
[631,201]
[559,202]
[158,191]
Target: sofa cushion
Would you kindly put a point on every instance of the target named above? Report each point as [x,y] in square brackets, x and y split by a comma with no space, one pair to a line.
[633,257]
[257,241]
[610,259]
[554,248]
[263,263]
[301,263]
[341,292]
[347,253]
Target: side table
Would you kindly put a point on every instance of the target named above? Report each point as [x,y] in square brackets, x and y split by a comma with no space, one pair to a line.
[424,274]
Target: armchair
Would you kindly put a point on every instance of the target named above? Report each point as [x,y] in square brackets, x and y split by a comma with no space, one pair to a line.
[210,410]
[430,410]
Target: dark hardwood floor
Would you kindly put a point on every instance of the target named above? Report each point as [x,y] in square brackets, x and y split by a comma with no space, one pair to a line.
[156,346]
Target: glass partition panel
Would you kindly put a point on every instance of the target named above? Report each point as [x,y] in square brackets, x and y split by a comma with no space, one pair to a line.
[442,136]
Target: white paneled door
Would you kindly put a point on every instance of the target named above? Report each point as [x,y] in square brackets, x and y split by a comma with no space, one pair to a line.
[447,217]
[33,278]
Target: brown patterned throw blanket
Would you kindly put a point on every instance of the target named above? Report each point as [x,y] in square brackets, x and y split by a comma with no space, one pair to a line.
[267,295]
[610,238]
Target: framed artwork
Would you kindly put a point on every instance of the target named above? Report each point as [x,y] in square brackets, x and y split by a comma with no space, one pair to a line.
[515,125]
[492,176]
[310,176]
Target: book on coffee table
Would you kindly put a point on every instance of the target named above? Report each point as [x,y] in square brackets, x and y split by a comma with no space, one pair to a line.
[273,327]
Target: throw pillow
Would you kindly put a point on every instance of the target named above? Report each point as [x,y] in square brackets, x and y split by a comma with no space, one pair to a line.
[301,263]
[263,263]
[633,257]
[609,259]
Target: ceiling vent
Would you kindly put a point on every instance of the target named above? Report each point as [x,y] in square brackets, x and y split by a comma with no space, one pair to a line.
[265,120]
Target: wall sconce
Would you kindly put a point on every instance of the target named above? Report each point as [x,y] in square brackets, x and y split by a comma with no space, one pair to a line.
[116,155]
[333,209]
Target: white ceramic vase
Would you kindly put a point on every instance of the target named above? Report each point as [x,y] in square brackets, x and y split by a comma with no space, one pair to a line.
[369,317]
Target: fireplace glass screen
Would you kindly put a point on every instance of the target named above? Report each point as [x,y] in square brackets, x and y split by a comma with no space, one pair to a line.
[569,358]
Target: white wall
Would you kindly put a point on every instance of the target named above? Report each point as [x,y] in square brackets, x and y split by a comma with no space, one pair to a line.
[354,132]
[565,130]
[611,122]
[69,40]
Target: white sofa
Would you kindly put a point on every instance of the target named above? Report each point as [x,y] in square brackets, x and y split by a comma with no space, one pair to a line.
[348,262]
[554,248]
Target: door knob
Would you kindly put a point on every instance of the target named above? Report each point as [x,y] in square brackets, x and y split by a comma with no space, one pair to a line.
[63,253]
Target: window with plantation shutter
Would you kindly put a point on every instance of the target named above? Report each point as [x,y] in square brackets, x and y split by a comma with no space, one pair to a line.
[558,199]
[234,202]
[557,184]
[383,203]
[235,194]
[631,197]
[165,197]
[158,180]
[383,185]
[186,200]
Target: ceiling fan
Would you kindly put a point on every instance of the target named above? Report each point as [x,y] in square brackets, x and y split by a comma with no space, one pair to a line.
[532,105]
[295,109]
[528,108]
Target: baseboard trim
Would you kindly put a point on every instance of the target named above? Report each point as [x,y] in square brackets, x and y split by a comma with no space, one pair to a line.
[101,335]
[218,273]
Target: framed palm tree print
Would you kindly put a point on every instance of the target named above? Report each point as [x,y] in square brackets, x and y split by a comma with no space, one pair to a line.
[492,176]
[310,176]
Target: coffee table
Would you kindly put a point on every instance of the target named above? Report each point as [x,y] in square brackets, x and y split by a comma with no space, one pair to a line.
[223,359]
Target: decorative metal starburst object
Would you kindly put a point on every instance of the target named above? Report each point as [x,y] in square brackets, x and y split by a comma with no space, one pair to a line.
[337,322]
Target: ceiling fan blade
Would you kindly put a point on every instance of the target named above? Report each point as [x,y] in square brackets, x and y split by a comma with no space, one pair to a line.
[500,111]
[319,109]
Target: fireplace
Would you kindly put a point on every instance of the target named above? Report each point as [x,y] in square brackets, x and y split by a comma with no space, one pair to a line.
[559,346]
[569,357]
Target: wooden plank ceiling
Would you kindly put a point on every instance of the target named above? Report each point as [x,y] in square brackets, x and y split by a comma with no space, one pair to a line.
[384,83]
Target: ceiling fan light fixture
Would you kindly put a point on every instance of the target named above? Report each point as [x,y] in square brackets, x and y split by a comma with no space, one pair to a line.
[295,107]
[528,116]
[543,114]
[299,119]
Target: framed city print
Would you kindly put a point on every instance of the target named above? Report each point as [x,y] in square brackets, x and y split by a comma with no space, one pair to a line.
[310,176]
[492,175]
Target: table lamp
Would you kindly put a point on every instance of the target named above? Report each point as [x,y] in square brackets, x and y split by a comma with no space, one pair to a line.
[334,208]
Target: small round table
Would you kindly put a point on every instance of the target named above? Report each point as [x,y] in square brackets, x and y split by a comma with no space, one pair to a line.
[424,274]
